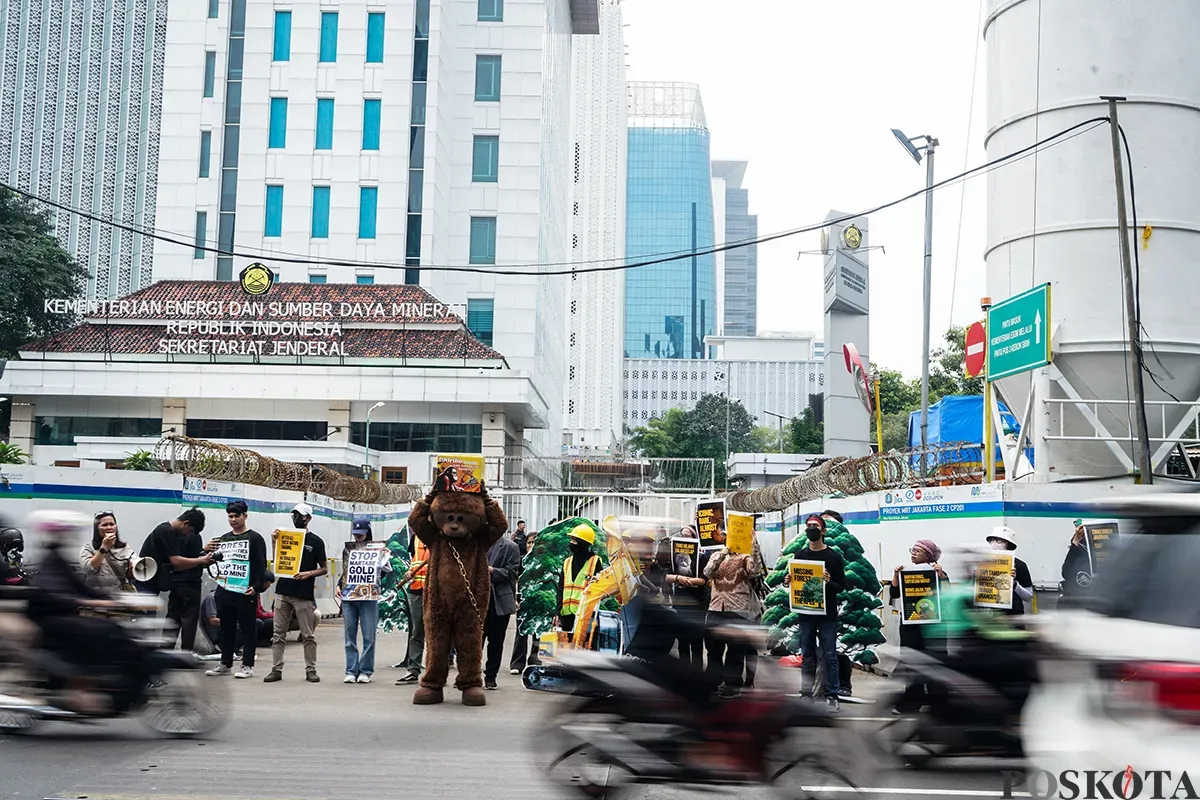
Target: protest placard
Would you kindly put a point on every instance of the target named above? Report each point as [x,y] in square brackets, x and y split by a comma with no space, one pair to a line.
[710,519]
[1102,540]
[289,549]
[457,472]
[993,581]
[739,529]
[685,557]
[806,580]
[233,570]
[362,573]
[920,596]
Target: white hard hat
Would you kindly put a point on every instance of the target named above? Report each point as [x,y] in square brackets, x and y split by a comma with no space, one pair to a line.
[1004,533]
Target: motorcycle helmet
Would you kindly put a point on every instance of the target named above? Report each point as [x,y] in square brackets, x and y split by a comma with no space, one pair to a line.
[55,528]
[12,545]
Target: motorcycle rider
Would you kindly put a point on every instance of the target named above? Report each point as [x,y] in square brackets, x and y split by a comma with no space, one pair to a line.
[85,643]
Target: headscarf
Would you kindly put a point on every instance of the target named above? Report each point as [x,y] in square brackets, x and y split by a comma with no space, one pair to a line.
[929,547]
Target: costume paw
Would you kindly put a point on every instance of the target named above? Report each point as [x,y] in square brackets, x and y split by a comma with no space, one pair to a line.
[424,696]
[474,696]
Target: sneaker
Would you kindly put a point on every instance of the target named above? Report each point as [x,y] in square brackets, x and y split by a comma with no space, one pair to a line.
[364,678]
[490,684]
[272,676]
[400,665]
[833,705]
[219,671]
[348,679]
[244,672]
[514,672]
[312,677]
[407,679]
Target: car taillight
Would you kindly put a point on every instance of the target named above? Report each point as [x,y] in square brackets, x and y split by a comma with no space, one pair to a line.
[1172,687]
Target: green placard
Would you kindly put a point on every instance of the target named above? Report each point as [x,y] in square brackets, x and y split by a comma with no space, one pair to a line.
[1018,333]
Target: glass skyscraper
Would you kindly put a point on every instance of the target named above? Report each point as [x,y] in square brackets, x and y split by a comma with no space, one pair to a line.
[669,307]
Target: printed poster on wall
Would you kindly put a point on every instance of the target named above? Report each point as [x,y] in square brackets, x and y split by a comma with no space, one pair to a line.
[233,570]
[806,580]
[739,536]
[710,518]
[994,583]
[920,596]
[289,549]
[363,573]
[685,557]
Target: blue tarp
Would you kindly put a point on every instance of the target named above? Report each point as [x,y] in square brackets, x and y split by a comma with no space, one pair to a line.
[959,418]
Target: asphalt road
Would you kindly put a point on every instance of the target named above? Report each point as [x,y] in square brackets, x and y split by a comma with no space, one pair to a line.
[293,740]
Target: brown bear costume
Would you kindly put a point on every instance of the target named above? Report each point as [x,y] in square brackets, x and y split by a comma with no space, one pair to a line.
[458,528]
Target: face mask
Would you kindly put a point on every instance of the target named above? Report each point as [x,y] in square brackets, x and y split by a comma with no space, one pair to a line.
[813,534]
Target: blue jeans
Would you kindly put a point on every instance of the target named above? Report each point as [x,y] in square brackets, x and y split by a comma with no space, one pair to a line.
[364,613]
[813,629]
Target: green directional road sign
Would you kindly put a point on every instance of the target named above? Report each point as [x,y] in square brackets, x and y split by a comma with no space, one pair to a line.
[1018,333]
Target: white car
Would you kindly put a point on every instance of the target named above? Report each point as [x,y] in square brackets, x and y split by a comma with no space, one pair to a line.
[1122,686]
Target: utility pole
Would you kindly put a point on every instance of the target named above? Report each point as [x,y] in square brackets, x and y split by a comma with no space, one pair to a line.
[1135,334]
[781,418]
[928,295]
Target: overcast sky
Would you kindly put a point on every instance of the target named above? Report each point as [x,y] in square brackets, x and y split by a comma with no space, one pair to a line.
[807,92]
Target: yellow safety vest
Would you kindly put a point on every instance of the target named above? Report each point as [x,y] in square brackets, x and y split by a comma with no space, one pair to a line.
[573,584]
[421,553]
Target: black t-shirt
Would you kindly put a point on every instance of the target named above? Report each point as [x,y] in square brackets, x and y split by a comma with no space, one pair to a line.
[313,559]
[164,542]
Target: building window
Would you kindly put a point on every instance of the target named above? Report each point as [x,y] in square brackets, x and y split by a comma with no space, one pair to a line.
[316,279]
[375,38]
[201,235]
[485,163]
[364,280]
[277,138]
[329,31]
[483,240]
[214,7]
[205,152]
[283,36]
[419,437]
[394,475]
[480,313]
[372,111]
[487,79]
[320,212]
[210,72]
[368,201]
[256,429]
[61,431]
[491,10]
[324,124]
[273,226]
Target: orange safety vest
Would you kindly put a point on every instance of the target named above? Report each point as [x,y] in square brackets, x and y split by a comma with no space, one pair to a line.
[573,584]
[420,553]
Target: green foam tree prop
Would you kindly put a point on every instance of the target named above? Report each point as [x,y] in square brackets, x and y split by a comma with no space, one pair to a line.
[858,627]
[542,567]
[393,601]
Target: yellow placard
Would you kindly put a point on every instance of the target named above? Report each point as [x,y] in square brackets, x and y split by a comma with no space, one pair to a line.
[289,549]
[806,581]
[739,532]
[994,582]
[457,472]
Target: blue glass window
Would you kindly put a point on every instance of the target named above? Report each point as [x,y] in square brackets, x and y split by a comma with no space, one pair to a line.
[491,10]
[210,72]
[329,31]
[487,78]
[485,162]
[283,36]
[320,212]
[214,7]
[277,137]
[368,202]
[418,103]
[480,313]
[483,240]
[375,38]
[324,123]
[364,280]
[201,234]
[205,152]
[273,225]
[316,278]
[372,110]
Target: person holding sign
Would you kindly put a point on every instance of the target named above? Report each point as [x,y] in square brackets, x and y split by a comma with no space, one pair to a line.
[294,594]
[1077,567]
[822,628]
[1005,538]
[924,555]
[363,565]
[241,575]
[733,602]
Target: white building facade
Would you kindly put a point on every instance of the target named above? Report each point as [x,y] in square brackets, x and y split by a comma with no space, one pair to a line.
[596,314]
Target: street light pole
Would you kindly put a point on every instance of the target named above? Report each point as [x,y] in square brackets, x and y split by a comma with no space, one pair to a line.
[367,456]
[779,417]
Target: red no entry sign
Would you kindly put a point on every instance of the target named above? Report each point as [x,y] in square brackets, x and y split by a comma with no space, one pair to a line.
[976,350]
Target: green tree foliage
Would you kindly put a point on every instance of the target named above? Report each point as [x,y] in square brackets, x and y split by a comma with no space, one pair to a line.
[806,434]
[858,627]
[698,433]
[393,601]
[661,437]
[947,374]
[896,394]
[765,439]
[11,454]
[542,567]
[33,269]
[895,430]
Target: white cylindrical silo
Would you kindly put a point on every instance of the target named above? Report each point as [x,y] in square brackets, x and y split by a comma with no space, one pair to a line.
[1053,217]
